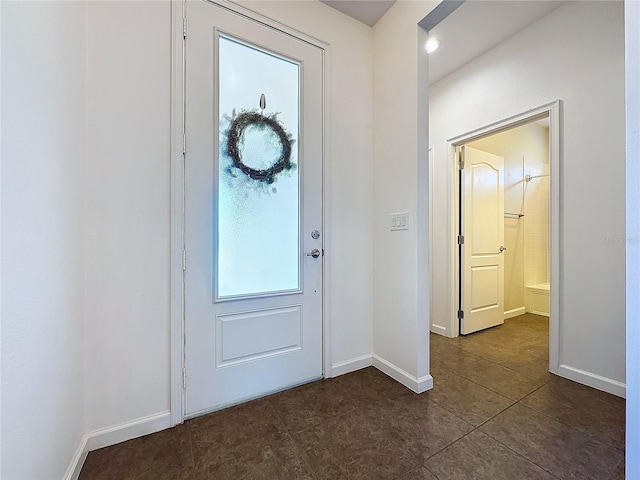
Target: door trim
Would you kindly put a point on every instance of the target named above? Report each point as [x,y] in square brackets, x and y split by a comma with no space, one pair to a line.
[554,111]
[177,216]
[177,212]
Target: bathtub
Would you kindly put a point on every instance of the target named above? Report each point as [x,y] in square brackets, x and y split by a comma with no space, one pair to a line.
[537,299]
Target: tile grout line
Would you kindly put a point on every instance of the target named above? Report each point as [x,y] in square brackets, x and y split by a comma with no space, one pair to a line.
[496,440]
[486,388]
[193,455]
[498,393]
[422,465]
[477,428]
[502,365]
[554,420]
[490,360]
[572,427]
[509,368]
[511,449]
[293,441]
[520,455]
[614,468]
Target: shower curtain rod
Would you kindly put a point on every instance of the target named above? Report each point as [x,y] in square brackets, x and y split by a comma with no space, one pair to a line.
[528,178]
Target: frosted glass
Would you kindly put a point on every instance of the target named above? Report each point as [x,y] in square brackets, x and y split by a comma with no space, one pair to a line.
[258,248]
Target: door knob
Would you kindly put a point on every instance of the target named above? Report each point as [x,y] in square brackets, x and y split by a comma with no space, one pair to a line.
[502,248]
[315,253]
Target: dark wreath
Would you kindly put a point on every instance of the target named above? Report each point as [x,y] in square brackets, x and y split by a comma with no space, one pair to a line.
[234,137]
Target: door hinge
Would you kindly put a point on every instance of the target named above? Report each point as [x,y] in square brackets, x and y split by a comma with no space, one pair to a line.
[460,239]
[184,143]
[460,161]
[323,252]
[460,314]
[184,27]
[184,260]
[184,377]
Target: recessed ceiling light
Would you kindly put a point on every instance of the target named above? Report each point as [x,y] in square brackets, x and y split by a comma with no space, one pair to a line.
[432,45]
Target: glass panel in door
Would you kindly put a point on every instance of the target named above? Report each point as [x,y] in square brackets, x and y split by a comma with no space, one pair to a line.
[258,194]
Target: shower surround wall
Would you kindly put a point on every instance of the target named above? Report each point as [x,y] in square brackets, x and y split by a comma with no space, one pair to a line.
[536,224]
[525,150]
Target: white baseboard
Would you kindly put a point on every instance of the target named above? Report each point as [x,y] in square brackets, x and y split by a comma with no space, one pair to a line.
[439,329]
[514,312]
[418,385]
[349,366]
[73,471]
[592,380]
[106,437]
[128,430]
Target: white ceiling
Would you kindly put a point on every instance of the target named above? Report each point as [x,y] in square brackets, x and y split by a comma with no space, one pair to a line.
[366,11]
[472,29]
[478,26]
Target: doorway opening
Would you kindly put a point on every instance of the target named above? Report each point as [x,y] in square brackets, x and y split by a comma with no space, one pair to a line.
[520,273]
[512,215]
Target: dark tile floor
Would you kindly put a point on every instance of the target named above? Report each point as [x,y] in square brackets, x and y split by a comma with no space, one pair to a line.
[494,413]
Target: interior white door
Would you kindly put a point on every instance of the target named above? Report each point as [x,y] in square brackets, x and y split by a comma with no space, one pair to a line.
[253,209]
[482,283]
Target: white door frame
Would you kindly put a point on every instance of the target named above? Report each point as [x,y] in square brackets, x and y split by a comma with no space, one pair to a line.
[177,399]
[553,110]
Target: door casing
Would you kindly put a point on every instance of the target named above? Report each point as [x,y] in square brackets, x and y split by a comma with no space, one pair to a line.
[553,111]
[177,220]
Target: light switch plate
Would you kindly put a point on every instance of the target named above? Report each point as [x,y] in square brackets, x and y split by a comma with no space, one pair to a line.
[400,221]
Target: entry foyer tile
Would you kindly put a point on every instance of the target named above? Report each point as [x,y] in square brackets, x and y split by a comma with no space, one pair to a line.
[364,425]
[560,449]
[468,400]
[502,380]
[478,456]
[353,447]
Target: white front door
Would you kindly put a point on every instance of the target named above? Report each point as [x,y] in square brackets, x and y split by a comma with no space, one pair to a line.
[253,209]
[482,283]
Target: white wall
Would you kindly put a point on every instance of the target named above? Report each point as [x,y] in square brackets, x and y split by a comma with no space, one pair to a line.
[632,69]
[127,327]
[558,57]
[43,194]
[400,300]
